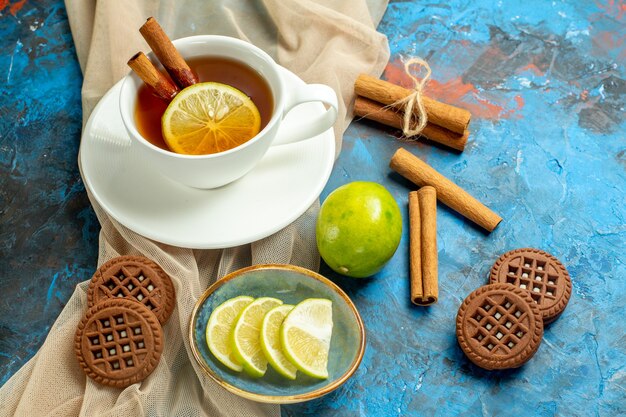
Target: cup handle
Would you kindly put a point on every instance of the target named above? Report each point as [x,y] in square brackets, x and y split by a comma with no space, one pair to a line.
[314,126]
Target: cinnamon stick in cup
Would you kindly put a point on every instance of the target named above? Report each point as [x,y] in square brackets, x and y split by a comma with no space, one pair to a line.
[427,200]
[372,110]
[422,174]
[169,57]
[447,116]
[161,86]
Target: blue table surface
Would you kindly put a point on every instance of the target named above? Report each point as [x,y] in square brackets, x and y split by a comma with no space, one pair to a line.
[544,81]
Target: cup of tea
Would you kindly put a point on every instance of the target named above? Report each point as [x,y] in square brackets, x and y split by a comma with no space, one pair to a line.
[238,64]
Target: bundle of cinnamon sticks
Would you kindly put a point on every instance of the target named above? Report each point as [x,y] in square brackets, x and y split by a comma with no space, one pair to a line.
[377,100]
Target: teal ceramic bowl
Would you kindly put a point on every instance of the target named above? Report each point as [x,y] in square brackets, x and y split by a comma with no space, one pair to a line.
[291,284]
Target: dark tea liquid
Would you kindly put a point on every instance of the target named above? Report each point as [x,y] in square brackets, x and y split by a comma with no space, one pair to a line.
[150,108]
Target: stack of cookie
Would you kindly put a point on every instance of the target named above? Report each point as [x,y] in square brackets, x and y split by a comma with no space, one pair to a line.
[500,325]
[120,339]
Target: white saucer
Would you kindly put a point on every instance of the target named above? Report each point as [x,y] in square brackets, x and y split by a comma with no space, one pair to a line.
[276,192]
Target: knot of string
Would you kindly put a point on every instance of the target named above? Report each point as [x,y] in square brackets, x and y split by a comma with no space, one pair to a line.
[414,101]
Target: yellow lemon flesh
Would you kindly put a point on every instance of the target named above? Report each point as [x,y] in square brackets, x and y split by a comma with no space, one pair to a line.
[305,336]
[270,341]
[208,118]
[246,335]
[219,328]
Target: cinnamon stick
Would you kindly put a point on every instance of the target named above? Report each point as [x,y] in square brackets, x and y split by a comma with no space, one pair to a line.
[422,174]
[427,197]
[169,57]
[444,115]
[372,110]
[161,86]
[415,249]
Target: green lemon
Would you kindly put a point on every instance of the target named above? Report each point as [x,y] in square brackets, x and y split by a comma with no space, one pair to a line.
[359,227]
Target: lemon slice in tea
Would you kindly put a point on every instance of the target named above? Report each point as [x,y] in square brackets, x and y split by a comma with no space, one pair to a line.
[208,118]
[305,336]
[219,328]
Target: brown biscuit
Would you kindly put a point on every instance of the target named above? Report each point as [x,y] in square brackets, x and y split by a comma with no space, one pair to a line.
[499,327]
[118,342]
[135,278]
[539,273]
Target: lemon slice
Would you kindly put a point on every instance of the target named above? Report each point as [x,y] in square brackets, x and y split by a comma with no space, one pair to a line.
[246,335]
[207,118]
[305,336]
[270,341]
[219,327]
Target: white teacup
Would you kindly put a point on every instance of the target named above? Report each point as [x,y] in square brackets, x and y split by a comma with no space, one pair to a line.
[215,170]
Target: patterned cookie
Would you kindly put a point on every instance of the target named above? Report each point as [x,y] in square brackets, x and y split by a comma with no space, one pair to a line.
[541,274]
[498,326]
[135,278]
[118,342]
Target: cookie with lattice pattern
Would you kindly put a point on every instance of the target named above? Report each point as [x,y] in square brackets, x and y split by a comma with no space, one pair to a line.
[498,326]
[135,278]
[118,342]
[539,273]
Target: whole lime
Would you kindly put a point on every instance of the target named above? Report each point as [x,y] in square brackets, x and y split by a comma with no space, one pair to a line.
[359,227]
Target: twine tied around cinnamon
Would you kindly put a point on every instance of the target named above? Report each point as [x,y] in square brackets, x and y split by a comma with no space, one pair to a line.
[414,99]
